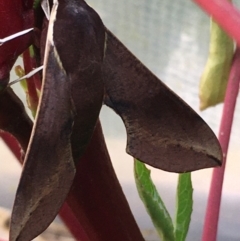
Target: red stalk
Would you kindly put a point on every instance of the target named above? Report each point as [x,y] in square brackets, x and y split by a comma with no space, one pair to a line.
[214,198]
[225,14]
[96,197]
[73,224]
[12,143]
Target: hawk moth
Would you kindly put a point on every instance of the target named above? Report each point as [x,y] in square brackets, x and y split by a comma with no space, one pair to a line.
[85,65]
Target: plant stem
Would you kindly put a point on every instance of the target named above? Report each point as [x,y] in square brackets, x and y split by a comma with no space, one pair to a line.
[96,197]
[225,14]
[12,144]
[14,119]
[214,199]
[73,224]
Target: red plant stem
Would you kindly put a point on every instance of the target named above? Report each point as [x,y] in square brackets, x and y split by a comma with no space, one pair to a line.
[73,224]
[14,119]
[12,143]
[96,197]
[214,198]
[225,14]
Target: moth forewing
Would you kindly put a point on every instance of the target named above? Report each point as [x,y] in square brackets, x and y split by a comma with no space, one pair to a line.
[48,169]
[49,45]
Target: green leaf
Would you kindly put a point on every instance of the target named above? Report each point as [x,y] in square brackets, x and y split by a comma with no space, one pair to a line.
[184,205]
[153,202]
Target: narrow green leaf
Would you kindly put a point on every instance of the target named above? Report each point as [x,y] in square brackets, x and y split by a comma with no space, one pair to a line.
[184,205]
[153,202]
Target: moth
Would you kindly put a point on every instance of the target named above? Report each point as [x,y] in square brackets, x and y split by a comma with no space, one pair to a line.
[85,65]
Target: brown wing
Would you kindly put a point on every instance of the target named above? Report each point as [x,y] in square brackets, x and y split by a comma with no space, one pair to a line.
[49,168]
[73,83]
[162,130]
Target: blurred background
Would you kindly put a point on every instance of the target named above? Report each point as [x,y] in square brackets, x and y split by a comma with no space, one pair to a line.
[171,38]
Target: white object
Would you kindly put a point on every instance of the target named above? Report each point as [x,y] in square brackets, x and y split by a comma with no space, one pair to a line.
[30,74]
[13,36]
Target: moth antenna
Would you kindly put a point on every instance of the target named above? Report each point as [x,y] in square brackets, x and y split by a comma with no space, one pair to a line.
[13,36]
[30,74]
[46,8]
